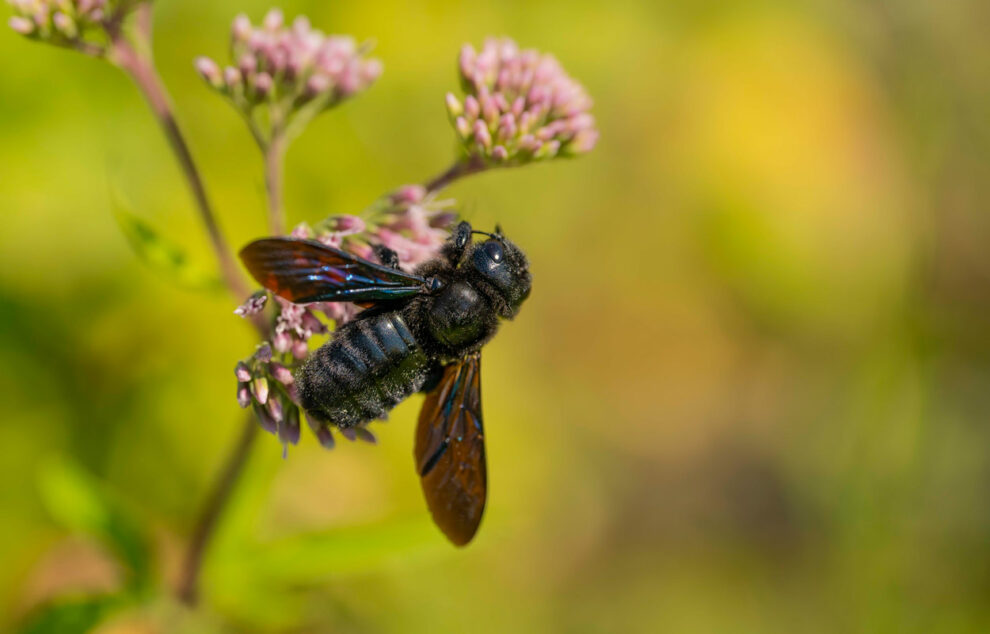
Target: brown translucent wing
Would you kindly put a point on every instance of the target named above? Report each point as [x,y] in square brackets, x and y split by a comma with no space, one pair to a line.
[450,451]
[303,271]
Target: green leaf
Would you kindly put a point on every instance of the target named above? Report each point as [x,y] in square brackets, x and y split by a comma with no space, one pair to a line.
[160,254]
[65,616]
[79,502]
[316,556]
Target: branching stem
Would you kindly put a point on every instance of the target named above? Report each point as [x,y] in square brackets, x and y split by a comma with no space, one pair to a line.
[460,169]
[135,58]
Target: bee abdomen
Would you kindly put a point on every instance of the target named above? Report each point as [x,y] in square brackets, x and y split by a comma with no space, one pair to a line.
[368,367]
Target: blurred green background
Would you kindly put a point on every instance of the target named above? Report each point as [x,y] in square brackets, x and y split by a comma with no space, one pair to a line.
[750,392]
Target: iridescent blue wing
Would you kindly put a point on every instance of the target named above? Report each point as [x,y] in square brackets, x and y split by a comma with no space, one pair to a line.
[450,451]
[303,271]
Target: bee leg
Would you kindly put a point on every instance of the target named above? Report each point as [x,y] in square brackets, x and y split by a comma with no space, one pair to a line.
[433,375]
[459,239]
[387,256]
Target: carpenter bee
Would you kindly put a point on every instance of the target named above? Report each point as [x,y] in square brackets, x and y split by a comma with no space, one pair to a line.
[421,331]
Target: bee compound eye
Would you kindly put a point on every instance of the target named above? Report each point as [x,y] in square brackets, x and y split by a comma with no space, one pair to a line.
[494,251]
[435,284]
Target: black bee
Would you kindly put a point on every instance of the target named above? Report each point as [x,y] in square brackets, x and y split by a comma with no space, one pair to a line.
[421,332]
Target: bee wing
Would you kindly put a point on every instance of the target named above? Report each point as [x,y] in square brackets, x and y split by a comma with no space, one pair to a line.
[450,451]
[303,271]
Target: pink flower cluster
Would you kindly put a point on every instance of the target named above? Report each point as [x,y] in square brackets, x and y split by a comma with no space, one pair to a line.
[409,222]
[520,106]
[289,65]
[269,388]
[64,20]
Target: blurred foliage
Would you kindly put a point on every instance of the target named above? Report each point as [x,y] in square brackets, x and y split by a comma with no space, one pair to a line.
[750,392]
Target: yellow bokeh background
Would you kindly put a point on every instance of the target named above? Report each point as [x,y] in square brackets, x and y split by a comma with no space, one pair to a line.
[749,392]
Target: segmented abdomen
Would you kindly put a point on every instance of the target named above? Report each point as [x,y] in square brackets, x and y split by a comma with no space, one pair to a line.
[369,366]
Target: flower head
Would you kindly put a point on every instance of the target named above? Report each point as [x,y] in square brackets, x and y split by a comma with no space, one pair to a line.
[71,23]
[519,106]
[289,67]
[268,387]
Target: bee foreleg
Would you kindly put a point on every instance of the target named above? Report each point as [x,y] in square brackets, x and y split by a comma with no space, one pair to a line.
[459,239]
[433,375]
[387,256]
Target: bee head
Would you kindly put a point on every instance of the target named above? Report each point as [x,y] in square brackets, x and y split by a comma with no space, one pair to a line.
[503,265]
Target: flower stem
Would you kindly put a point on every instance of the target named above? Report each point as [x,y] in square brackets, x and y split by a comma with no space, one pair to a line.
[141,69]
[212,509]
[138,63]
[274,157]
[461,168]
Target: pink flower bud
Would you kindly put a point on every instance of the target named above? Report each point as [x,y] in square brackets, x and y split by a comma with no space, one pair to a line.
[347,224]
[265,419]
[259,388]
[263,352]
[370,71]
[331,239]
[454,107]
[209,71]
[275,408]
[64,24]
[301,25]
[243,395]
[252,305]
[273,20]
[361,250]
[518,106]
[302,230]
[21,24]
[409,194]
[463,127]
[288,429]
[282,342]
[585,141]
[467,60]
[471,107]
[481,134]
[507,127]
[549,149]
[293,393]
[499,153]
[248,64]
[311,324]
[318,84]
[529,143]
[262,84]
[300,349]
[281,373]
[231,77]
[242,372]
[240,29]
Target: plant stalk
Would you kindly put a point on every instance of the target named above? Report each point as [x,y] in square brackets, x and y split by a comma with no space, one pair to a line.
[274,157]
[141,69]
[139,64]
[461,168]
[213,507]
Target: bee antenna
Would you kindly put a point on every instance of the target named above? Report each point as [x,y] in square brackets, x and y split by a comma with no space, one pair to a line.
[484,233]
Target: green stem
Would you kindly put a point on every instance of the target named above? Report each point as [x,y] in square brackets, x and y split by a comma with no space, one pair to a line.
[213,507]
[460,169]
[138,63]
[274,155]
